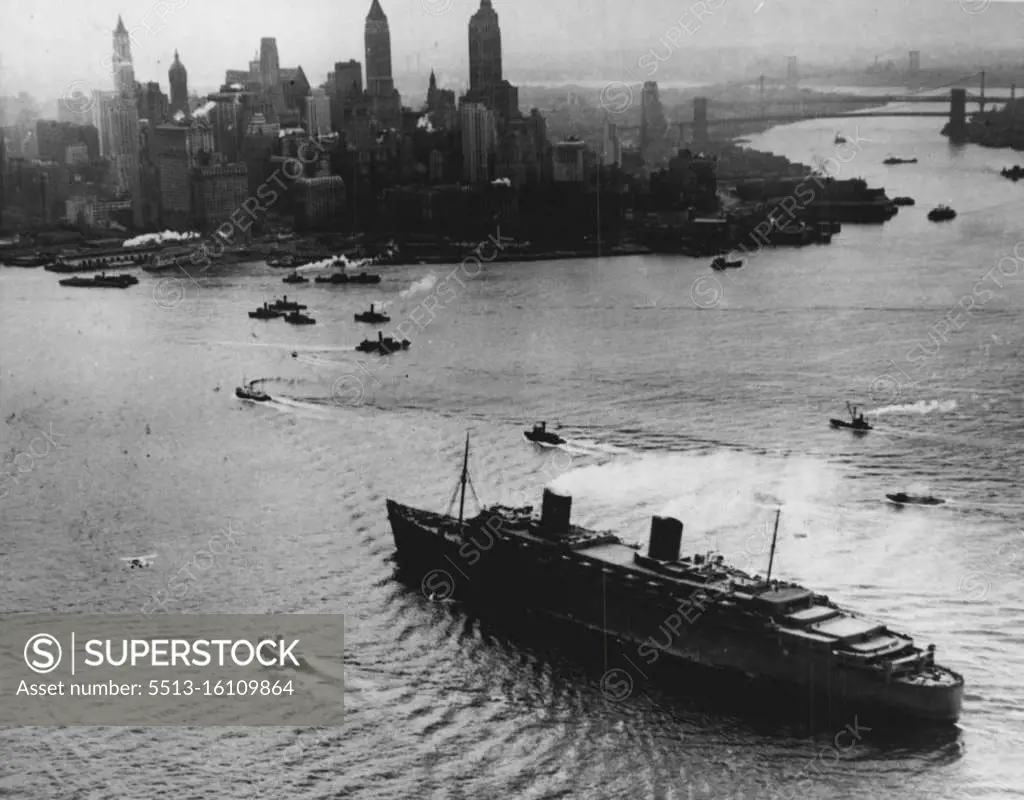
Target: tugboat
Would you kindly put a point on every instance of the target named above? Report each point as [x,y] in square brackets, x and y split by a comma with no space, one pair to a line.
[294,278]
[891,160]
[771,631]
[266,312]
[721,263]
[903,201]
[941,213]
[372,316]
[383,345]
[857,423]
[298,318]
[840,139]
[286,305]
[247,391]
[102,280]
[541,435]
[902,499]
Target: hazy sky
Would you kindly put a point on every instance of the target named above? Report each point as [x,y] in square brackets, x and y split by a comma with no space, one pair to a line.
[47,45]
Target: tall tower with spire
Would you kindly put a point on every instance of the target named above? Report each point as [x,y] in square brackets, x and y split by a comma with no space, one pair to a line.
[379,82]
[178,77]
[270,69]
[125,121]
[484,51]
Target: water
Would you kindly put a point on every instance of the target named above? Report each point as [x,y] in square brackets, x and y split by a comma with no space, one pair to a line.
[711,414]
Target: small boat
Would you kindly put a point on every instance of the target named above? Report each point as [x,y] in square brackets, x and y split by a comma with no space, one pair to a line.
[286,305]
[541,435]
[941,213]
[363,277]
[138,562]
[372,316]
[722,263]
[856,423]
[903,201]
[840,139]
[295,278]
[102,280]
[266,312]
[903,499]
[891,160]
[295,353]
[298,318]
[382,345]
[1013,173]
[248,392]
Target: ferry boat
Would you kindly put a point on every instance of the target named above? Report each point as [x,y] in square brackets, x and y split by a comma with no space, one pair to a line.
[382,345]
[769,631]
[103,281]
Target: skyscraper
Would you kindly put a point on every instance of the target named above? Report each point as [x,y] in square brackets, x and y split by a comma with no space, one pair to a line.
[178,77]
[318,113]
[125,122]
[270,70]
[486,84]
[379,82]
[484,50]
[479,139]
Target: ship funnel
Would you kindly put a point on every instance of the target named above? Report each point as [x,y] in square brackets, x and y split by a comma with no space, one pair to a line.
[666,536]
[555,512]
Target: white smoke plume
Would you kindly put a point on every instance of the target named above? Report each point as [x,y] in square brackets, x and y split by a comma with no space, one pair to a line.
[424,284]
[160,238]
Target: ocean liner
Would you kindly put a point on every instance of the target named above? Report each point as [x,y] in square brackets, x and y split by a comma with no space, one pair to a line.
[749,626]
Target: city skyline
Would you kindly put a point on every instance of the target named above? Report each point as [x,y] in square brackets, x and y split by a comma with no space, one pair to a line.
[73,47]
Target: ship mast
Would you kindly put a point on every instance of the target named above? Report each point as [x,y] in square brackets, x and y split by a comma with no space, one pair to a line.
[465,475]
[775,533]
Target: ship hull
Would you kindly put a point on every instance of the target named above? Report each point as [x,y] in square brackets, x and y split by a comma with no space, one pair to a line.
[654,630]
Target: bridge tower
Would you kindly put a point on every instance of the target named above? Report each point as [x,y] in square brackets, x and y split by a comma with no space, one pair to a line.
[957,114]
[700,121]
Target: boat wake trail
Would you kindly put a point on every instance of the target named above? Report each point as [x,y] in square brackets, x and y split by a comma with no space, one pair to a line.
[304,404]
[920,407]
[587,447]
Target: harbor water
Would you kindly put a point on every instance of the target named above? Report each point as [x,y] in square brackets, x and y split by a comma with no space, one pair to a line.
[681,391]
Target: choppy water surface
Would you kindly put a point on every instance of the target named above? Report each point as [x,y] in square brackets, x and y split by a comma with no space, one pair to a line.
[706,413]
